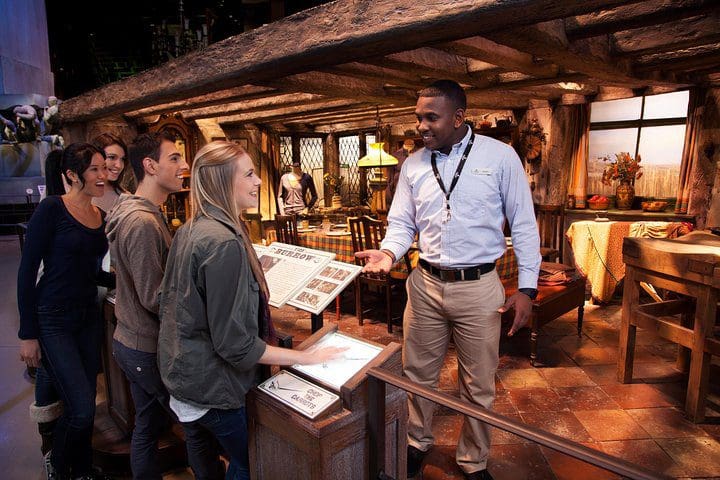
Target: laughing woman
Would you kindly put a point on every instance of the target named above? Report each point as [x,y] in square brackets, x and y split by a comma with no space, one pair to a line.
[59,319]
[214,316]
[115,157]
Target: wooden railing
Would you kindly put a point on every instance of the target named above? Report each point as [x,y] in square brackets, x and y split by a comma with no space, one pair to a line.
[376,411]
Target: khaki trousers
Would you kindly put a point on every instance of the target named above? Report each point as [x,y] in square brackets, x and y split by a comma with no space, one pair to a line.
[465,311]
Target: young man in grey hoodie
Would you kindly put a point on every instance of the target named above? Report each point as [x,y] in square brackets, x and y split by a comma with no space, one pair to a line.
[139,243]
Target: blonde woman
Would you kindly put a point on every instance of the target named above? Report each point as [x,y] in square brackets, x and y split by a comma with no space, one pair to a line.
[214,316]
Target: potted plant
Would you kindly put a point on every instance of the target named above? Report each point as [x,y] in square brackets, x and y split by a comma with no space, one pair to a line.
[334,183]
[626,169]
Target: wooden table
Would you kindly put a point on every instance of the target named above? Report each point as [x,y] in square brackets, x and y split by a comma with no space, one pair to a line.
[597,249]
[690,266]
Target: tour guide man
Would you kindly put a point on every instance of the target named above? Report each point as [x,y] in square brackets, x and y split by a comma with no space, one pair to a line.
[456,193]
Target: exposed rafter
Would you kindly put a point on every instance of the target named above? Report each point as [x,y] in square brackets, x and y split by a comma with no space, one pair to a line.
[637,15]
[351,30]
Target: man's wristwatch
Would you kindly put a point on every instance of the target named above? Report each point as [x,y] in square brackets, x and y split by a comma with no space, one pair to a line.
[530,292]
[389,254]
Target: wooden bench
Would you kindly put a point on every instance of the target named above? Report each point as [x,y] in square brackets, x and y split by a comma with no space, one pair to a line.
[551,302]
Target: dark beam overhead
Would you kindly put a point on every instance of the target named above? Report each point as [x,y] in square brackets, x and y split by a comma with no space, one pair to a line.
[637,15]
[351,30]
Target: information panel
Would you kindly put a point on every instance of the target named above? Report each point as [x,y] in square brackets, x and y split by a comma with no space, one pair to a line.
[299,394]
[335,373]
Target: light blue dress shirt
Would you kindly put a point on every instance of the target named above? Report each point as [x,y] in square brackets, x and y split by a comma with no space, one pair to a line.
[492,186]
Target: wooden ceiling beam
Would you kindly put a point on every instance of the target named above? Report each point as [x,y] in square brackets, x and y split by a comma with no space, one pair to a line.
[336,32]
[276,101]
[501,55]
[368,115]
[281,113]
[378,73]
[589,56]
[637,15]
[684,33]
[333,85]
[684,64]
[306,117]
[245,92]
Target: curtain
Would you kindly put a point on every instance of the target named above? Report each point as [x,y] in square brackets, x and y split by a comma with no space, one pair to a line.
[689,155]
[269,172]
[580,134]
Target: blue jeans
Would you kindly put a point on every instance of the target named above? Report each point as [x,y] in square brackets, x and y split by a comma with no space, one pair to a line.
[45,392]
[153,416]
[70,341]
[230,428]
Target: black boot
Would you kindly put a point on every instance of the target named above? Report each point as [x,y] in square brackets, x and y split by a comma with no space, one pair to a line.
[46,418]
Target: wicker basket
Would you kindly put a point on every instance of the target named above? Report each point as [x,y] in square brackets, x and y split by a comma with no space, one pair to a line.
[656,206]
[595,205]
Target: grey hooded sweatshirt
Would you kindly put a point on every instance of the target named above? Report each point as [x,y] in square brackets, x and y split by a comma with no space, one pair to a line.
[139,243]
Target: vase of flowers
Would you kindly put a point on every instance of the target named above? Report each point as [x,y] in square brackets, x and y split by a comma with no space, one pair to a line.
[334,183]
[625,169]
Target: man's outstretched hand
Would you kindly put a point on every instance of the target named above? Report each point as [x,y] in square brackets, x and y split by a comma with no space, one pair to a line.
[377,261]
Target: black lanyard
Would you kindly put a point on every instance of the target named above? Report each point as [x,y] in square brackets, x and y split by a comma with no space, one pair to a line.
[456,177]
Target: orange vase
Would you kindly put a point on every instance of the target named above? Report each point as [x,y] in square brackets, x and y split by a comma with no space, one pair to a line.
[624,196]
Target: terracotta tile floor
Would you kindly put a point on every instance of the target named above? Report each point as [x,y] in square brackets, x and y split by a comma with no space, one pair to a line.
[572,393]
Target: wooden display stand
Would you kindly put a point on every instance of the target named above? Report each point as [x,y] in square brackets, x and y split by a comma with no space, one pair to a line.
[285,444]
[690,266]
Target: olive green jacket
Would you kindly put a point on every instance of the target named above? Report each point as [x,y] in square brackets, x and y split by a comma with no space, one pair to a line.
[209,347]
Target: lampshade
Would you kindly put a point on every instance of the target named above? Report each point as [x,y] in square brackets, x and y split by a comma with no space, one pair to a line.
[377,157]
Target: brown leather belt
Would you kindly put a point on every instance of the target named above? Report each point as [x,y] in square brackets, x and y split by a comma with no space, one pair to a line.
[459,274]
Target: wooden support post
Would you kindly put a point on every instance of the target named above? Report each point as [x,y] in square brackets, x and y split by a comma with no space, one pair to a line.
[626,354]
[316,321]
[376,427]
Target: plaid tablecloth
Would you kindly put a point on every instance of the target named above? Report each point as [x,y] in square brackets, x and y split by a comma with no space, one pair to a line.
[342,247]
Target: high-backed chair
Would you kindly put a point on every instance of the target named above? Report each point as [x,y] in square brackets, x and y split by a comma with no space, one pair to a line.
[286,229]
[550,219]
[367,233]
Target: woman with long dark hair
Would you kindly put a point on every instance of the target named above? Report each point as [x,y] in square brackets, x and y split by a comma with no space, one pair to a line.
[60,323]
[115,159]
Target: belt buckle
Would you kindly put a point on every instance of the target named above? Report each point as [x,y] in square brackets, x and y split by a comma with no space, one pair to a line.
[447,275]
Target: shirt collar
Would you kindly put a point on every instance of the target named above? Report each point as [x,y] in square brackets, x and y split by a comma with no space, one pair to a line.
[458,147]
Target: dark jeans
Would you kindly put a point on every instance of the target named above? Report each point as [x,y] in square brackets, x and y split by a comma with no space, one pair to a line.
[45,392]
[152,417]
[230,428]
[70,342]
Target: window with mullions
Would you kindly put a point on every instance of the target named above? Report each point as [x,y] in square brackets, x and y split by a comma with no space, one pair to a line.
[311,161]
[651,126]
[349,150]
[285,154]
[311,158]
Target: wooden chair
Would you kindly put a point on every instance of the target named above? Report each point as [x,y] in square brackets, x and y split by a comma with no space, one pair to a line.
[286,229]
[550,219]
[367,233]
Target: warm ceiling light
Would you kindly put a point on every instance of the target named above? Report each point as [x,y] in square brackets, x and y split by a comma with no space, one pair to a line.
[377,157]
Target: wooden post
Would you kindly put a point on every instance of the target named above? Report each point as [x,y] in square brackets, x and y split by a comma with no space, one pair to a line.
[626,353]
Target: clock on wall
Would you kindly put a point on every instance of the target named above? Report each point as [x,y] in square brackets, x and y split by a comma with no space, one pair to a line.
[532,140]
